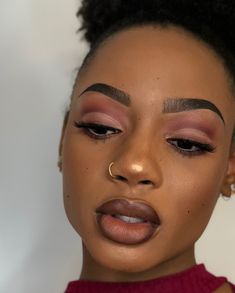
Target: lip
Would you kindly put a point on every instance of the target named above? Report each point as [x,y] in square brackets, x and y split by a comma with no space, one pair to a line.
[117,230]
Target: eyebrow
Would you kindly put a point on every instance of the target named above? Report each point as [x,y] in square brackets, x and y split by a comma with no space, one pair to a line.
[171,105]
[112,92]
[174,105]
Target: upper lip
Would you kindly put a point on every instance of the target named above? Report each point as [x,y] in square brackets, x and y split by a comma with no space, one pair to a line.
[135,209]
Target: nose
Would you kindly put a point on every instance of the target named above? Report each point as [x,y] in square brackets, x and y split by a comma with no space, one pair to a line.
[137,164]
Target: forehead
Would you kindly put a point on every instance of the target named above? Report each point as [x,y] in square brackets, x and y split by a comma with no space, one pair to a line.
[157,62]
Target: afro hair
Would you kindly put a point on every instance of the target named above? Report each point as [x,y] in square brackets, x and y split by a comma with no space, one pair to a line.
[212,21]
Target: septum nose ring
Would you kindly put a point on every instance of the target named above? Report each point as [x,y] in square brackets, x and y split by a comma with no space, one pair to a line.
[110,171]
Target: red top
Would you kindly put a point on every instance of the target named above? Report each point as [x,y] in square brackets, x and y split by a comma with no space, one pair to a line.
[194,280]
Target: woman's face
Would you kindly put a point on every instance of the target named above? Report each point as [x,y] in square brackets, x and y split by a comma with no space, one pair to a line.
[161,89]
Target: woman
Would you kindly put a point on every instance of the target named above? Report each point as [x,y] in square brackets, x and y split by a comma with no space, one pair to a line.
[151,116]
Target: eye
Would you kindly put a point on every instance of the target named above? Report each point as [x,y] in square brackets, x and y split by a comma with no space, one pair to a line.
[97,131]
[190,147]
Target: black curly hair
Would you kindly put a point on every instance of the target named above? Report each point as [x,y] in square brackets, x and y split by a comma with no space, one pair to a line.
[212,21]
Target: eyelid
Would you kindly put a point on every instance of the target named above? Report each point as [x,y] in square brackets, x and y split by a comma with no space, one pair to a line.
[202,124]
[101,118]
[101,105]
[190,134]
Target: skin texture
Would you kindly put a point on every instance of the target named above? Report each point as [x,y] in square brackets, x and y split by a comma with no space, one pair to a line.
[150,65]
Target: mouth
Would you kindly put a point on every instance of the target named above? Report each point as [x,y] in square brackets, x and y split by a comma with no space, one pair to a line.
[127,222]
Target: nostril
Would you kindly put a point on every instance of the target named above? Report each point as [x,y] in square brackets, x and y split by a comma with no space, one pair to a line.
[119,177]
[146,182]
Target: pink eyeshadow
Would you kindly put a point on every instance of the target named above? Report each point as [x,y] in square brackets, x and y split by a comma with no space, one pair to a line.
[90,104]
[193,123]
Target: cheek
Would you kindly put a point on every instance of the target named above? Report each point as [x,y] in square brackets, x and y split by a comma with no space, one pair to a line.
[79,162]
[81,178]
[193,198]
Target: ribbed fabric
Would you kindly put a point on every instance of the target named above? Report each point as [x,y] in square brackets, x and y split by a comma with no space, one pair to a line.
[194,280]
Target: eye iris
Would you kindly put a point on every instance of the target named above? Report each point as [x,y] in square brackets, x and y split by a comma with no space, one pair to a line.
[100,130]
[184,144]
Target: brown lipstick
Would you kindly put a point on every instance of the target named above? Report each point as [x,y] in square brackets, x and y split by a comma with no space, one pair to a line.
[127,222]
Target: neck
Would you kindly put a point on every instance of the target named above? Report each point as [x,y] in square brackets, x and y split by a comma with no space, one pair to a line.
[93,271]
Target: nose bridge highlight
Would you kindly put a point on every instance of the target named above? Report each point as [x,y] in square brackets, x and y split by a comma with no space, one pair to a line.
[137,163]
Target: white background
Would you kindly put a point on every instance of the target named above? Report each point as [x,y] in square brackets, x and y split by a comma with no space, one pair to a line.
[39,251]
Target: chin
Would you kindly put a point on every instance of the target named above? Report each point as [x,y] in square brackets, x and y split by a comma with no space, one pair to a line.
[124,259]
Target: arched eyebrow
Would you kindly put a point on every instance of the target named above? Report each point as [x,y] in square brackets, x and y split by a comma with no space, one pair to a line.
[170,105]
[174,105]
[110,91]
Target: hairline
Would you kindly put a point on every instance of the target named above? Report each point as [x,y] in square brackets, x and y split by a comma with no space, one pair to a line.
[154,24]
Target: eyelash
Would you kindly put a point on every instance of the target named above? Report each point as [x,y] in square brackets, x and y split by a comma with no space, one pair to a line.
[89,127]
[202,148]
[95,126]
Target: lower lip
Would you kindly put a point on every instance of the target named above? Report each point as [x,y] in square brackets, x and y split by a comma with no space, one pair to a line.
[125,233]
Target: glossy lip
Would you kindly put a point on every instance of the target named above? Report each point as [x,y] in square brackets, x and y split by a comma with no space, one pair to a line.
[130,209]
[122,232]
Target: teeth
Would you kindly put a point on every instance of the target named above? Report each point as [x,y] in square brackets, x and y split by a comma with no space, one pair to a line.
[129,219]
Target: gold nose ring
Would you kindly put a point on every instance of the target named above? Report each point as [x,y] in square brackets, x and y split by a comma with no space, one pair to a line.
[110,171]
